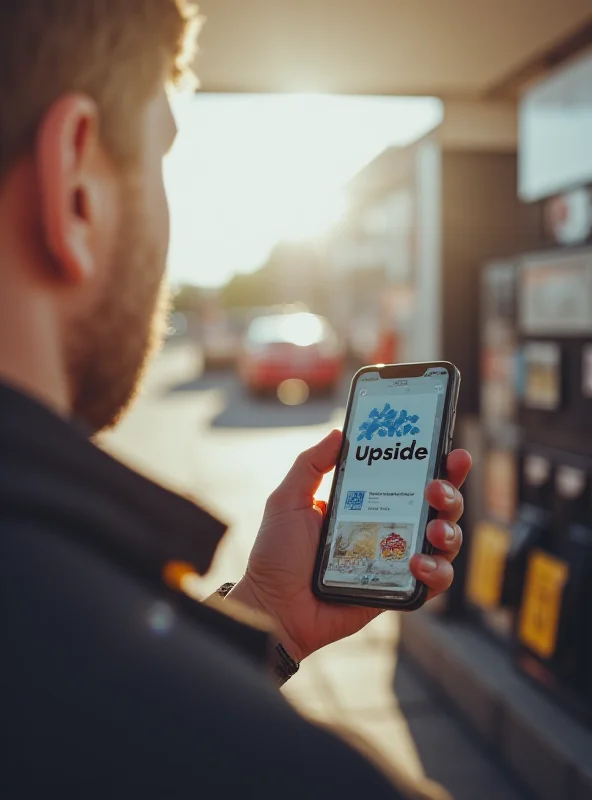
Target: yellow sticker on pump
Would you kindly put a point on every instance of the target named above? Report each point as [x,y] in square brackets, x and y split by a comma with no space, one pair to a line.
[489,550]
[541,604]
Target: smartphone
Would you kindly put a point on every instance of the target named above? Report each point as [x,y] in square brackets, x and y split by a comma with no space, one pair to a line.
[398,431]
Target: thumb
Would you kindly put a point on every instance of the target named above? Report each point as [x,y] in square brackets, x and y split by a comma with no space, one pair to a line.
[302,481]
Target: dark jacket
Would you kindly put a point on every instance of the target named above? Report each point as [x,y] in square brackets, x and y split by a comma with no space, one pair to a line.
[113,684]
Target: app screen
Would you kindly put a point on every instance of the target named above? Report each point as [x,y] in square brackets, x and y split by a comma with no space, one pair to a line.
[379,513]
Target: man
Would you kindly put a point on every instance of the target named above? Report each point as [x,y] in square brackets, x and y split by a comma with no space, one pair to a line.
[116,683]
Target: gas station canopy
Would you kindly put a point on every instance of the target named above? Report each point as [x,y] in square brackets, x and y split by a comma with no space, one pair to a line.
[454,49]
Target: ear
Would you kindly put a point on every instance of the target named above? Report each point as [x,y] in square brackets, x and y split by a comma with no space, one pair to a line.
[71,167]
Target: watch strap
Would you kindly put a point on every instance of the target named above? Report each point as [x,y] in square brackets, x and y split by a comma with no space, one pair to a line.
[225,589]
[284,666]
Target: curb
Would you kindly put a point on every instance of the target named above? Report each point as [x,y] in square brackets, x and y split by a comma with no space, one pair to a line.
[546,748]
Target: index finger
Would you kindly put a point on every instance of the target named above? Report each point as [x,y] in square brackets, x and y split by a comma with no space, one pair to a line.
[458,465]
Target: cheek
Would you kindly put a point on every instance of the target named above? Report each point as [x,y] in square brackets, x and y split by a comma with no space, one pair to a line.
[109,232]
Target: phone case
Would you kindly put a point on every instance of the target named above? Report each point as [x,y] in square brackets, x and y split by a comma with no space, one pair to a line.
[419,597]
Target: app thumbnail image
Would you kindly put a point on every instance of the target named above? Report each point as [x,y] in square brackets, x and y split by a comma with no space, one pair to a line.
[356,540]
[394,546]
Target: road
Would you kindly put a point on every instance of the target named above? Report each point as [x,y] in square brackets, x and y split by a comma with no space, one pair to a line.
[201,435]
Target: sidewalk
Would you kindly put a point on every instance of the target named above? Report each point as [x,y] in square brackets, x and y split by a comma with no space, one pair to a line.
[350,683]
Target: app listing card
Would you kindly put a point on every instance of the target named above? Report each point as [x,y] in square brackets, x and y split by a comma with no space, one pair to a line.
[379,501]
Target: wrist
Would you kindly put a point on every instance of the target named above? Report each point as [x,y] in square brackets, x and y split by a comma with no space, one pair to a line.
[247,593]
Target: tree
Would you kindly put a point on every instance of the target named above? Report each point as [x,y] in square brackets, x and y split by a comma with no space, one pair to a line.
[289,276]
[188,299]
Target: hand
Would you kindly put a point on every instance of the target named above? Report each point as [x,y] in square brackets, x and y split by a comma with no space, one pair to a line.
[279,573]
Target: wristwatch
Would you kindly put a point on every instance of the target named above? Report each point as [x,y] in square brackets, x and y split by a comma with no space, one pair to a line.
[284,665]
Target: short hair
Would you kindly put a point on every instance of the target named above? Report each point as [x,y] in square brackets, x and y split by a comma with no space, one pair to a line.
[116,51]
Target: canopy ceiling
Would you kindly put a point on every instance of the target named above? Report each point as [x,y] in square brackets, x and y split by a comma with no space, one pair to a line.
[449,48]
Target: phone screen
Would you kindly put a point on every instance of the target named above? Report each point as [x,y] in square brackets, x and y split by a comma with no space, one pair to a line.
[378,514]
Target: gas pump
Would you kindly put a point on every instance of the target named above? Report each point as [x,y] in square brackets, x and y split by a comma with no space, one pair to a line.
[530,550]
[553,626]
[553,630]
[530,571]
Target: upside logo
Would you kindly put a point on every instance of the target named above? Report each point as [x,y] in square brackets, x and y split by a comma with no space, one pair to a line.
[388,422]
[371,454]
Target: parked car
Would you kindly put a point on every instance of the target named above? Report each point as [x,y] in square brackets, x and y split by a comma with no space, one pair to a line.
[298,345]
[220,340]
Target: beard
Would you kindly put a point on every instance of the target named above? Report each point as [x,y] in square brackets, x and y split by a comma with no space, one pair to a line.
[111,345]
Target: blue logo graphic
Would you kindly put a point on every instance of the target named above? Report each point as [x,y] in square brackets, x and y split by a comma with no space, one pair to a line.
[388,422]
[354,501]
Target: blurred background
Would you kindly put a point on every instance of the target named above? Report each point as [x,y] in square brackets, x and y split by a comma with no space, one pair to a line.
[362,182]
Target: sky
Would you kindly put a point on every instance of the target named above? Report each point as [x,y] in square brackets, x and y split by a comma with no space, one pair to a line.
[248,171]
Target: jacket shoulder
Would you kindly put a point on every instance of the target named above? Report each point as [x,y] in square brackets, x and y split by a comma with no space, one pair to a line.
[110,683]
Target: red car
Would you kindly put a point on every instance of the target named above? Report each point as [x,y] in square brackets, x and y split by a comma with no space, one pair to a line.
[299,346]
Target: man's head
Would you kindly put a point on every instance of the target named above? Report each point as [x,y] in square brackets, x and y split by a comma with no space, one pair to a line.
[84,126]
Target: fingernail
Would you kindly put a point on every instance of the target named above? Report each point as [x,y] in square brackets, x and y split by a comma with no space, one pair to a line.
[449,491]
[449,532]
[428,564]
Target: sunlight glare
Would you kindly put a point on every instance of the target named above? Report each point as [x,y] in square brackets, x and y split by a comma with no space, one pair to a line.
[314,217]
[301,329]
[248,171]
